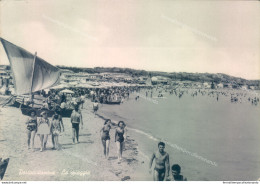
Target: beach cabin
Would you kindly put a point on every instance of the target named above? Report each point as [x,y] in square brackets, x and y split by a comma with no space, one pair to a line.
[159,80]
[206,85]
[195,85]
[220,85]
[244,87]
[252,87]
[105,75]
[142,80]
[128,79]
[93,77]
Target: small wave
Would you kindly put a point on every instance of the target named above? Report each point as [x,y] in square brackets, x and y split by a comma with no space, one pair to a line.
[174,146]
[144,133]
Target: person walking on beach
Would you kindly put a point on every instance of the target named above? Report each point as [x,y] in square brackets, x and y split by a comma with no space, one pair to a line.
[95,107]
[56,125]
[43,129]
[76,119]
[120,136]
[105,137]
[162,164]
[31,128]
[82,100]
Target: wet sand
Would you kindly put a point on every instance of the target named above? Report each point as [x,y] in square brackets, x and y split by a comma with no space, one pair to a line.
[83,161]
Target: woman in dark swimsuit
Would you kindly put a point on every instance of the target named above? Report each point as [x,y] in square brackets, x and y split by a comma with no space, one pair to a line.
[119,138]
[31,128]
[105,137]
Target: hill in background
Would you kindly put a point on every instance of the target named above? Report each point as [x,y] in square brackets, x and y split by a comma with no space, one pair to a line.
[182,76]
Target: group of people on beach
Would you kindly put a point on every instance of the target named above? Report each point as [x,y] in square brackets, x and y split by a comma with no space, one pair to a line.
[161,158]
[55,101]
[120,137]
[43,127]
[162,166]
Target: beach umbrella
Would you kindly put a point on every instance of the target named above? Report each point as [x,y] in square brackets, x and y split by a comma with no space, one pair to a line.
[67,91]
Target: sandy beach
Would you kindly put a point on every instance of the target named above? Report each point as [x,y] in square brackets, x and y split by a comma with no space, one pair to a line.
[191,133]
[83,161]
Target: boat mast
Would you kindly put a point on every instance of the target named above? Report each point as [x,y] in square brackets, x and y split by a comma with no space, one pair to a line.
[35,55]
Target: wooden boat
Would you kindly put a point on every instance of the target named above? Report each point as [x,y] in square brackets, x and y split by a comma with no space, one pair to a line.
[3,167]
[12,101]
[113,102]
[14,104]
[3,98]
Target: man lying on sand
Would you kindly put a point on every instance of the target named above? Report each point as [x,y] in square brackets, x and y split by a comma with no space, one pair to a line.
[162,164]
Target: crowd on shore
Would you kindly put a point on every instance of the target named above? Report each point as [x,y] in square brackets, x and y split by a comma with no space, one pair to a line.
[44,127]
[56,101]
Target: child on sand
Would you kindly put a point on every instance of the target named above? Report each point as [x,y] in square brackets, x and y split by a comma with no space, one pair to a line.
[176,170]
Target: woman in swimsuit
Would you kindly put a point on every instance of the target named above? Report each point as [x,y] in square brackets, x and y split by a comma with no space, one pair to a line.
[120,136]
[31,128]
[105,137]
[43,129]
[56,125]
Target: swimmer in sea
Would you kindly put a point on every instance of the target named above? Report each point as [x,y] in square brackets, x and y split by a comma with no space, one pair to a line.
[162,164]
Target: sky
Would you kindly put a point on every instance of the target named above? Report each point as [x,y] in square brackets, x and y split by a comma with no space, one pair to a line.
[172,36]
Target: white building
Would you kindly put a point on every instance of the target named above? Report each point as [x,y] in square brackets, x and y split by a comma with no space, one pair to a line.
[220,85]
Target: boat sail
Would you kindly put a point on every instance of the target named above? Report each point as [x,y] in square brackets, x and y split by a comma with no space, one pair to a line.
[30,73]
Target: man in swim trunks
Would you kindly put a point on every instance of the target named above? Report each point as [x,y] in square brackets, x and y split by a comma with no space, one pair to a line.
[162,164]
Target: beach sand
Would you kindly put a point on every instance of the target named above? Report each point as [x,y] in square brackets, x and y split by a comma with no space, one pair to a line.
[83,161]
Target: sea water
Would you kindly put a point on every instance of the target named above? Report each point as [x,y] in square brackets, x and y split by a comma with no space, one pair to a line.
[209,139]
